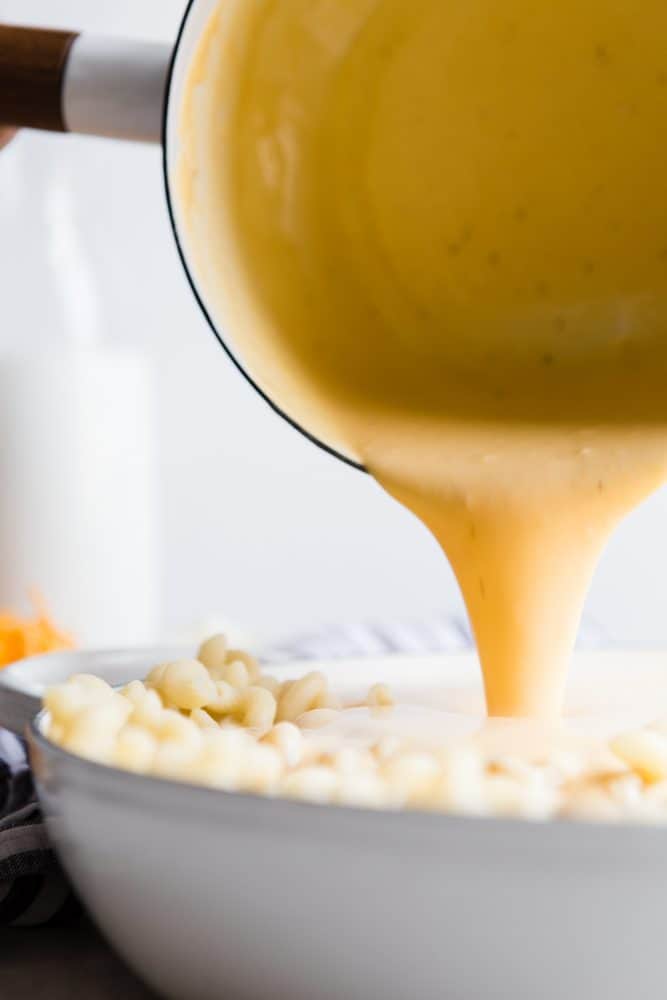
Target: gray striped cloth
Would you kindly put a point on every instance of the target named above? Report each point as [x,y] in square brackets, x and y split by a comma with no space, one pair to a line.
[33,888]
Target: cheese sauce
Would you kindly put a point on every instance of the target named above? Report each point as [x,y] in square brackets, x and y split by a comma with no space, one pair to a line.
[435,231]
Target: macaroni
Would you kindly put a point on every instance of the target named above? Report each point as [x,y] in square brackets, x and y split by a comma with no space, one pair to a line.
[217,720]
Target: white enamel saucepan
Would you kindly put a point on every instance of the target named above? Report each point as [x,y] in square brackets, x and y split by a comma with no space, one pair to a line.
[64,82]
[210,894]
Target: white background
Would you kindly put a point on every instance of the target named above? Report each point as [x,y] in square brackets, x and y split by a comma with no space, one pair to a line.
[257,525]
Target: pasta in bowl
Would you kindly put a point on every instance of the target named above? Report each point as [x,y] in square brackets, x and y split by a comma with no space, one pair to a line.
[220,720]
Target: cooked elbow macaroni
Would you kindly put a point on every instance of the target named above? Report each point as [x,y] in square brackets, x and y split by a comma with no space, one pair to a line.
[218,720]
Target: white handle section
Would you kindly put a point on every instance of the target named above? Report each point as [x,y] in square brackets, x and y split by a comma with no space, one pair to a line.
[116,88]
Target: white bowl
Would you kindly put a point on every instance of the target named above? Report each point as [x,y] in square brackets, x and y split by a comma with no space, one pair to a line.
[208,894]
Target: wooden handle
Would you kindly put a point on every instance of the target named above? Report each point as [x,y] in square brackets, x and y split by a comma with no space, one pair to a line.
[32,68]
[6,135]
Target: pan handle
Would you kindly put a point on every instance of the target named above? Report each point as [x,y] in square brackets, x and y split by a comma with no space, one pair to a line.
[65,82]
[32,70]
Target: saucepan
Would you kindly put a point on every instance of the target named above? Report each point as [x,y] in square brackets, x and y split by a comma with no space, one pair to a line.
[209,894]
[67,82]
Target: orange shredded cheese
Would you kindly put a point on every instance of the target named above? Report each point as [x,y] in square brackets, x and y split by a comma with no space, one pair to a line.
[23,637]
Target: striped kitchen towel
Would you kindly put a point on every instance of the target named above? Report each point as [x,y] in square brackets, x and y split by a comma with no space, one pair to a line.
[33,888]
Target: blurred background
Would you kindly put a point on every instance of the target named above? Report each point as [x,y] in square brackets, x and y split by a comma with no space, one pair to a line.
[255,525]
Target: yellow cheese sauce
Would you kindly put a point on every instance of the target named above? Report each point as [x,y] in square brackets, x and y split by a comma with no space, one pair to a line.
[435,232]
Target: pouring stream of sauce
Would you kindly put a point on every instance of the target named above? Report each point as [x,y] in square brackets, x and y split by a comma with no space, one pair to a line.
[437,235]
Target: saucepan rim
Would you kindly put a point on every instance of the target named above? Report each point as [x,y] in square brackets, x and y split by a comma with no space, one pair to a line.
[168,116]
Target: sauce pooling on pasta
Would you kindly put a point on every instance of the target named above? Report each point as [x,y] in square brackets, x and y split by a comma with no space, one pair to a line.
[438,235]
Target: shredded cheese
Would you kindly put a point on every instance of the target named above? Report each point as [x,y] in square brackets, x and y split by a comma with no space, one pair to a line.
[23,637]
